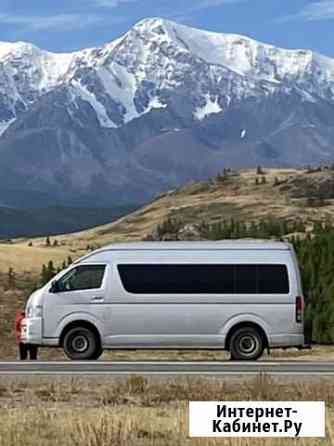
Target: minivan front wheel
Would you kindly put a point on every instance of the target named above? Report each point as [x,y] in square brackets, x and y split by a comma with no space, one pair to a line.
[246,344]
[81,343]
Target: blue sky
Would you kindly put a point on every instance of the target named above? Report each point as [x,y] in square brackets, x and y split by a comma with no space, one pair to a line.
[65,25]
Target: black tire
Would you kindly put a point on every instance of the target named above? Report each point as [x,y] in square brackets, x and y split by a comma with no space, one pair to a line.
[97,355]
[81,344]
[246,344]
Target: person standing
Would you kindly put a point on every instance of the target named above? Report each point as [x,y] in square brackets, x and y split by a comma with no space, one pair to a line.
[24,349]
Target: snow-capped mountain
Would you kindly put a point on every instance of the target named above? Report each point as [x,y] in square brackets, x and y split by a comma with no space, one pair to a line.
[163,104]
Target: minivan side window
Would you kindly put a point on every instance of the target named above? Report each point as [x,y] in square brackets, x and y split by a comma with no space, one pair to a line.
[180,279]
[82,277]
[245,279]
[204,279]
[273,279]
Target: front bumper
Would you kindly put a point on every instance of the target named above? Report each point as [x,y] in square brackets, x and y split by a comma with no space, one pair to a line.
[31,332]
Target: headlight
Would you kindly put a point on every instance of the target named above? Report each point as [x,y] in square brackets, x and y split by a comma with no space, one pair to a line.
[35,311]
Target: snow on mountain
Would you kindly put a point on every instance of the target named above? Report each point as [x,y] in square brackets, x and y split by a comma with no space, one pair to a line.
[238,53]
[26,73]
[154,63]
[161,105]
[210,107]
[44,69]
[4,125]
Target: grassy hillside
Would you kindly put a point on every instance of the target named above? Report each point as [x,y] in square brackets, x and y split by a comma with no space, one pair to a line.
[285,194]
[246,196]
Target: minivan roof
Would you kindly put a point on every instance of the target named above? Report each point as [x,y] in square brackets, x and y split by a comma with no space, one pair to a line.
[244,244]
[200,245]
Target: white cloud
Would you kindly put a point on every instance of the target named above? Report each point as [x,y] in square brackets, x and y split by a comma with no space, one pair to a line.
[320,10]
[315,11]
[192,5]
[58,22]
[112,3]
[74,21]
[202,4]
[186,11]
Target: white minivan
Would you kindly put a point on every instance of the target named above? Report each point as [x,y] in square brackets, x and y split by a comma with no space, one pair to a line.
[242,296]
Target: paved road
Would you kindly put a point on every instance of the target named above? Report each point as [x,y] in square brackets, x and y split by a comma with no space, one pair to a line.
[305,368]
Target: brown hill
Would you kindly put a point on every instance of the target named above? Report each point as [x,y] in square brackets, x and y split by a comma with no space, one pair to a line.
[244,196]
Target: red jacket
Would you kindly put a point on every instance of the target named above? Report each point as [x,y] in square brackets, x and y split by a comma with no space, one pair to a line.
[20,315]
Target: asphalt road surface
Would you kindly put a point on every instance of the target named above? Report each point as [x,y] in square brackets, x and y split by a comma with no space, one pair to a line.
[291,368]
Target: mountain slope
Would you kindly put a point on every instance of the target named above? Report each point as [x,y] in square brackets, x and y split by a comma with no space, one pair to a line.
[159,106]
[53,220]
[287,195]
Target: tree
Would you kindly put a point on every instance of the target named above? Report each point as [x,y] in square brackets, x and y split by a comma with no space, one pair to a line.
[44,275]
[11,278]
[51,269]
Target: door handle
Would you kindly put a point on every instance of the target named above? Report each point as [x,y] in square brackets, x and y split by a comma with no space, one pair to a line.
[97,299]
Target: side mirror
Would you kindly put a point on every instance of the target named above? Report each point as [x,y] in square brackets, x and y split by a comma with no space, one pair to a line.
[54,287]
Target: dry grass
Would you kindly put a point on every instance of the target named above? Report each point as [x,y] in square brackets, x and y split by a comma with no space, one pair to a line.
[134,411]
[24,258]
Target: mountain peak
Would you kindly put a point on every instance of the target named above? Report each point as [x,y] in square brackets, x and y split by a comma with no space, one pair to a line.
[7,48]
[156,26]
[241,54]
[164,104]
[151,22]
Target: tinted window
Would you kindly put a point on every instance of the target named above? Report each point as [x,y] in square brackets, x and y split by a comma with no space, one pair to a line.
[246,279]
[83,277]
[204,279]
[177,279]
[273,279]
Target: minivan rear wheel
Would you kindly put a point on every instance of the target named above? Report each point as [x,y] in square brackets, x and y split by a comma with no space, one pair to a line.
[81,344]
[246,344]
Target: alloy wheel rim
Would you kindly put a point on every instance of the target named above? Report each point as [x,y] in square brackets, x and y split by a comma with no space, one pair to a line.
[80,344]
[248,344]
